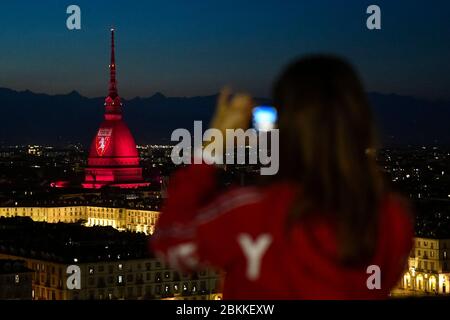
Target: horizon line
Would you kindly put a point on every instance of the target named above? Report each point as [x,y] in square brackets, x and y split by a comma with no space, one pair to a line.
[156,93]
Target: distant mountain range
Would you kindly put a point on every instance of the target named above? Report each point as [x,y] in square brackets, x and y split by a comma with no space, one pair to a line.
[32,118]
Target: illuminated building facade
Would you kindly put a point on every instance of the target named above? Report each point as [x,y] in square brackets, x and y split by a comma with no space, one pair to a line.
[428,268]
[107,280]
[15,280]
[119,218]
[113,157]
[112,265]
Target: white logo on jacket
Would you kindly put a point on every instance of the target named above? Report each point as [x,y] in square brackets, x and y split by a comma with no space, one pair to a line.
[185,254]
[254,252]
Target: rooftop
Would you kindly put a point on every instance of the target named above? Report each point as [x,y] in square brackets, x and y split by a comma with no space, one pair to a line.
[69,242]
[8,266]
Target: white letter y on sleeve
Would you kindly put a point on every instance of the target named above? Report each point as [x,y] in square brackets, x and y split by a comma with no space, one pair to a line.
[254,251]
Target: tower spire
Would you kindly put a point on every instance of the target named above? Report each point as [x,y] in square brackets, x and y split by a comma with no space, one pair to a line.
[112,70]
[113,157]
[113,103]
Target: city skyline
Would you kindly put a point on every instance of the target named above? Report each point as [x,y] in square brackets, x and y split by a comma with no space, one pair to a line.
[194,49]
[126,218]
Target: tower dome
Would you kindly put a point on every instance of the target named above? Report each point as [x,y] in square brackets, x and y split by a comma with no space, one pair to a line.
[113,158]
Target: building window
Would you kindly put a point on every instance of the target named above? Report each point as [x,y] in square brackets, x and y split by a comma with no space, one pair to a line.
[16,279]
[101,282]
[203,286]
[120,266]
[91,270]
[445,254]
[120,279]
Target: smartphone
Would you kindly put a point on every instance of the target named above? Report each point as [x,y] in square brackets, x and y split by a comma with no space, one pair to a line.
[264,118]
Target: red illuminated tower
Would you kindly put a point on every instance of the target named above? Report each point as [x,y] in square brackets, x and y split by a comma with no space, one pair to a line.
[113,158]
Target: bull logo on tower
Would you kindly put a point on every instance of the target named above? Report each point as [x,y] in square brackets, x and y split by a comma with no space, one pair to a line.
[102,141]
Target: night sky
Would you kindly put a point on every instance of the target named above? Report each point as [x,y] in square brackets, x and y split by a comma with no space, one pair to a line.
[189,48]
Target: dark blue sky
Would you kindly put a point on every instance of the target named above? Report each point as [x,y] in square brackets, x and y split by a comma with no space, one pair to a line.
[194,47]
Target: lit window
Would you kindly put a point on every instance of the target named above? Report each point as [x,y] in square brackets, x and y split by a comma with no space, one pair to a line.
[16,279]
[120,266]
[120,279]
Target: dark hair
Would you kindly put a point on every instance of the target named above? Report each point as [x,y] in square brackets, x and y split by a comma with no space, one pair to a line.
[328,141]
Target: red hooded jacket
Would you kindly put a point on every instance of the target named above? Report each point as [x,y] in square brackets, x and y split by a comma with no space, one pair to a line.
[243,232]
